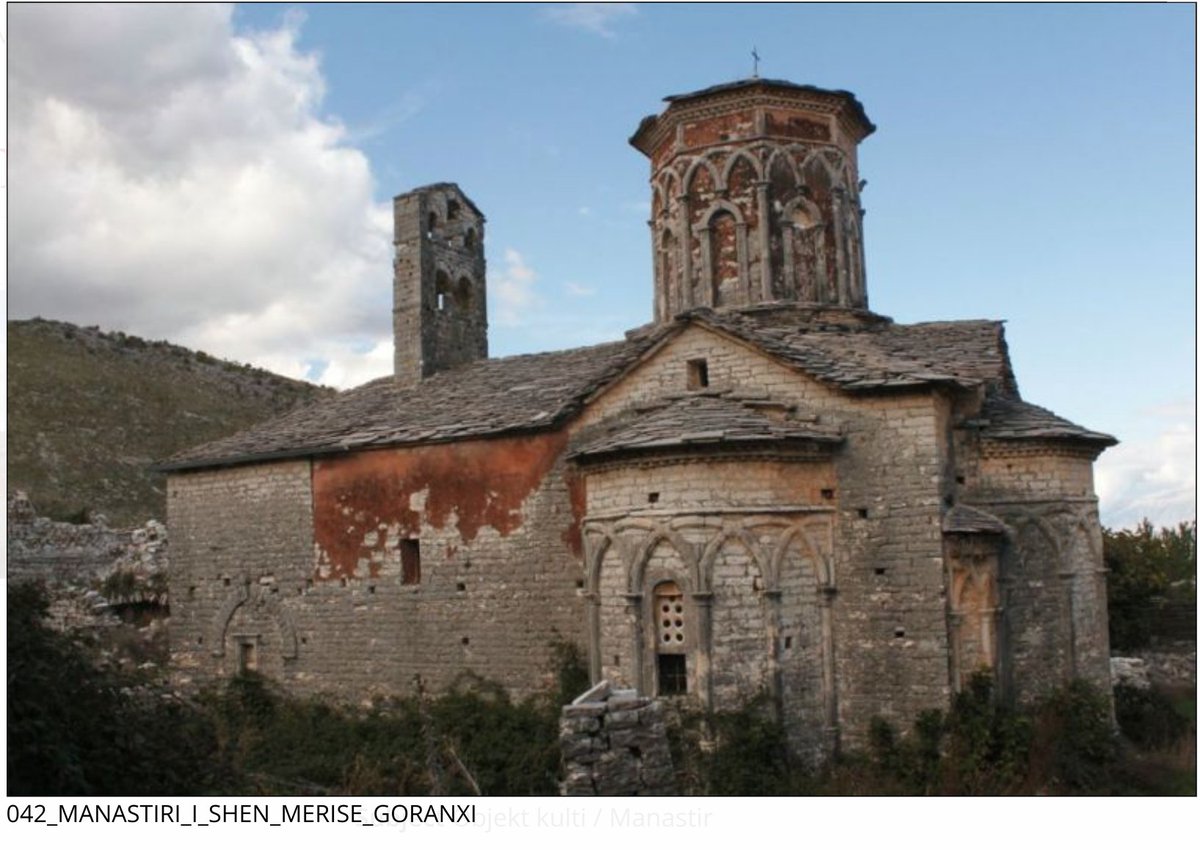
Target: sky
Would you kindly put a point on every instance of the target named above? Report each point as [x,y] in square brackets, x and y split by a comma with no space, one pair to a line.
[221,177]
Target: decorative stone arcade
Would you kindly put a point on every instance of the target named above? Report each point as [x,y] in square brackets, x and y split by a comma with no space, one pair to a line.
[755,197]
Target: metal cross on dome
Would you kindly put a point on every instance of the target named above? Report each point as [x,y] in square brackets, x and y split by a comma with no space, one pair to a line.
[754,53]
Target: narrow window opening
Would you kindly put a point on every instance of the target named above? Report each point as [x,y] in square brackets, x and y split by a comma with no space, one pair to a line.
[200,641]
[669,632]
[410,561]
[579,584]
[862,513]
[461,587]
[672,674]
[787,642]
[469,240]
[226,581]
[880,570]
[431,225]
[961,479]
[370,588]
[247,657]
[899,633]
[466,641]
[192,592]
[652,498]
[826,493]
[451,210]
[697,374]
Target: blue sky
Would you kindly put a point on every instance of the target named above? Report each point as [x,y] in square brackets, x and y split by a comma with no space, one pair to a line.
[1034,163]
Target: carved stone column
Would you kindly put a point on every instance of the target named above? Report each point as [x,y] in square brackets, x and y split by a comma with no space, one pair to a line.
[685,259]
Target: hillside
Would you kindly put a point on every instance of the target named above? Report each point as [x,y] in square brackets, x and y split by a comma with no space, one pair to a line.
[89,411]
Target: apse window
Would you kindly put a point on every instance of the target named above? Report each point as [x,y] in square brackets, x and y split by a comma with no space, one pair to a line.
[672,675]
[410,561]
[669,632]
[697,374]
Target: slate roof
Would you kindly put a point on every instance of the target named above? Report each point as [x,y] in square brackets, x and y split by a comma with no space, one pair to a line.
[487,397]
[862,353]
[704,419]
[880,354]
[1004,418]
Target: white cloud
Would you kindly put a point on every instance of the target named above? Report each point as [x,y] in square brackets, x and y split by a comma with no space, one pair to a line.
[1151,476]
[173,178]
[578,290]
[597,18]
[510,293]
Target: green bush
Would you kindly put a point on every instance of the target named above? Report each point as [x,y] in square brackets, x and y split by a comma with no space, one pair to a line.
[1148,718]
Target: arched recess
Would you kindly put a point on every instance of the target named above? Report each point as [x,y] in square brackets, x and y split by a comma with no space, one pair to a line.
[1035,594]
[264,603]
[751,170]
[742,624]
[464,293]
[668,264]
[700,179]
[666,558]
[805,659]
[442,291]
[724,250]
[804,250]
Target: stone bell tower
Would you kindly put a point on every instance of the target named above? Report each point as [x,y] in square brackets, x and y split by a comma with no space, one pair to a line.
[439,315]
[755,197]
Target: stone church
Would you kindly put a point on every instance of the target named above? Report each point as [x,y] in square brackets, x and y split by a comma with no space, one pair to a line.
[768,490]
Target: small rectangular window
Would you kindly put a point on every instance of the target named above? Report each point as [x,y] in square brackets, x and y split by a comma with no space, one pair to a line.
[672,674]
[247,657]
[410,561]
[697,374]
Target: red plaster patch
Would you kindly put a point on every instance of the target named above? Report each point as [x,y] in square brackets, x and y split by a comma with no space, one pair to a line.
[482,483]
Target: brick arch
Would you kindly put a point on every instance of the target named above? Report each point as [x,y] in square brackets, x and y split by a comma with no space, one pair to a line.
[741,155]
[689,177]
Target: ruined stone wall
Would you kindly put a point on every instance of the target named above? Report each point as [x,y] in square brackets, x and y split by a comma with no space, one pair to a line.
[614,743]
[886,609]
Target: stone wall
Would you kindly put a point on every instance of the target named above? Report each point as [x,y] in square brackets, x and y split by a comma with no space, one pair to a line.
[440,316]
[301,568]
[614,743]
[885,605]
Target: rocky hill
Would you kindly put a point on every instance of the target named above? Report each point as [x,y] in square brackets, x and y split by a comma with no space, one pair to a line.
[90,411]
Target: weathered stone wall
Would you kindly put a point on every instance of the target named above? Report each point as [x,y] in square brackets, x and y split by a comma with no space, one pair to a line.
[614,743]
[886,608]
[440,302]
[241,568]
[305,565]
[1052,580]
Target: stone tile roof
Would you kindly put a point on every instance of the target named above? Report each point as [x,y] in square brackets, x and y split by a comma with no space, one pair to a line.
[530,392]
[964,519]
[695,420]
[874,354]
[1004,418]
[487,397]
